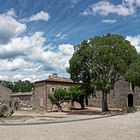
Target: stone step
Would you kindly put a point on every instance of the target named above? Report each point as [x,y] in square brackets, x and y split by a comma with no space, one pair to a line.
[137,108]
[131,109]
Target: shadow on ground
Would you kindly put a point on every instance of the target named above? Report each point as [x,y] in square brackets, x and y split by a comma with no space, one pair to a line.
[87,111]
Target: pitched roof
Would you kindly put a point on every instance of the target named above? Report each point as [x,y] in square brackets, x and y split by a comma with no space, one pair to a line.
[22,94]
[6,88]
[56,79]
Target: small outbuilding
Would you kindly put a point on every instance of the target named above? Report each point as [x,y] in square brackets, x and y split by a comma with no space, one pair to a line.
[22,100]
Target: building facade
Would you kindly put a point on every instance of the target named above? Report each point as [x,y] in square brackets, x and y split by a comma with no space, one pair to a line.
[48,86]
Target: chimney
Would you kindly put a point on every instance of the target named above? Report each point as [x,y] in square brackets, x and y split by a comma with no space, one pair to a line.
[54,75]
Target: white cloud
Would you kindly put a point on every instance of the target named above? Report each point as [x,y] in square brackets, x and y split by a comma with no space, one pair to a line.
[60,35]
[18,77]
[11,13]
[9,27]
[135,41]
[22,77]
[104,8]
[3,77]
[132,2]
[12,64]
[22,45]
[28,55]
[40,16]
[86,12]
[109,21]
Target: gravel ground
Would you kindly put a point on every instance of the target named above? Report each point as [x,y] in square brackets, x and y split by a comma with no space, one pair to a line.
[121,127]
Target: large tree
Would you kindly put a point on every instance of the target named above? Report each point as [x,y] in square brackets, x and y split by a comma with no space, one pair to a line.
[100,62]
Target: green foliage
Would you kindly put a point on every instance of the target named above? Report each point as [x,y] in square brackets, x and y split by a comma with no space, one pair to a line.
[133,73]
[59,96]
[73,94]
[19,86]
[101,61]
[77,94]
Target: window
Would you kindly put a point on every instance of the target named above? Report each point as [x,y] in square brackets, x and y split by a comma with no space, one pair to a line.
[51,90]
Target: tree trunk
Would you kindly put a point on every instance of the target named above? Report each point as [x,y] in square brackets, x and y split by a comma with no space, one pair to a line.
[82,105]
[59,107]
[72,104]
[104,102]
[86,100]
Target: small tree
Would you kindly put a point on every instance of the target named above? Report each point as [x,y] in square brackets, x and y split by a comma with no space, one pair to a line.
[59,96]
[77,94]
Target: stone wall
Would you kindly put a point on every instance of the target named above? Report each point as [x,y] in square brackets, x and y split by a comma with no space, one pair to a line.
[23,100]
[5,95]
[40,96]
[118,98]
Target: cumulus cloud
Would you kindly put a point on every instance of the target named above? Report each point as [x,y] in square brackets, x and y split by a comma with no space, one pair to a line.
[12,64]
[9,27]
[27,54]
[51,60]
[104,8]
[109,21]
[135,41]
[29,57]
[40,16]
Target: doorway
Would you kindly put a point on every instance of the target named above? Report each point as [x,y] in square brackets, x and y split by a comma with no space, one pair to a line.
[130,100]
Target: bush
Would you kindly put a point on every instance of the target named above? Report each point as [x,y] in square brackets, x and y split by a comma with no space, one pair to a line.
[5,111]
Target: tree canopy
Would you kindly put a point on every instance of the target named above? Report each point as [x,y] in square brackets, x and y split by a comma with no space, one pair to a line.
[74,94]
[19,86]
[100,62]
[133,73]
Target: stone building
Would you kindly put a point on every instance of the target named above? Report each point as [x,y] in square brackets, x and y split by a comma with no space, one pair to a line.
[48,86]
[122,96]
[5,95]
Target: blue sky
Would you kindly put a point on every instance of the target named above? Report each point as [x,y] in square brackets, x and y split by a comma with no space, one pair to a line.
[37,38]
